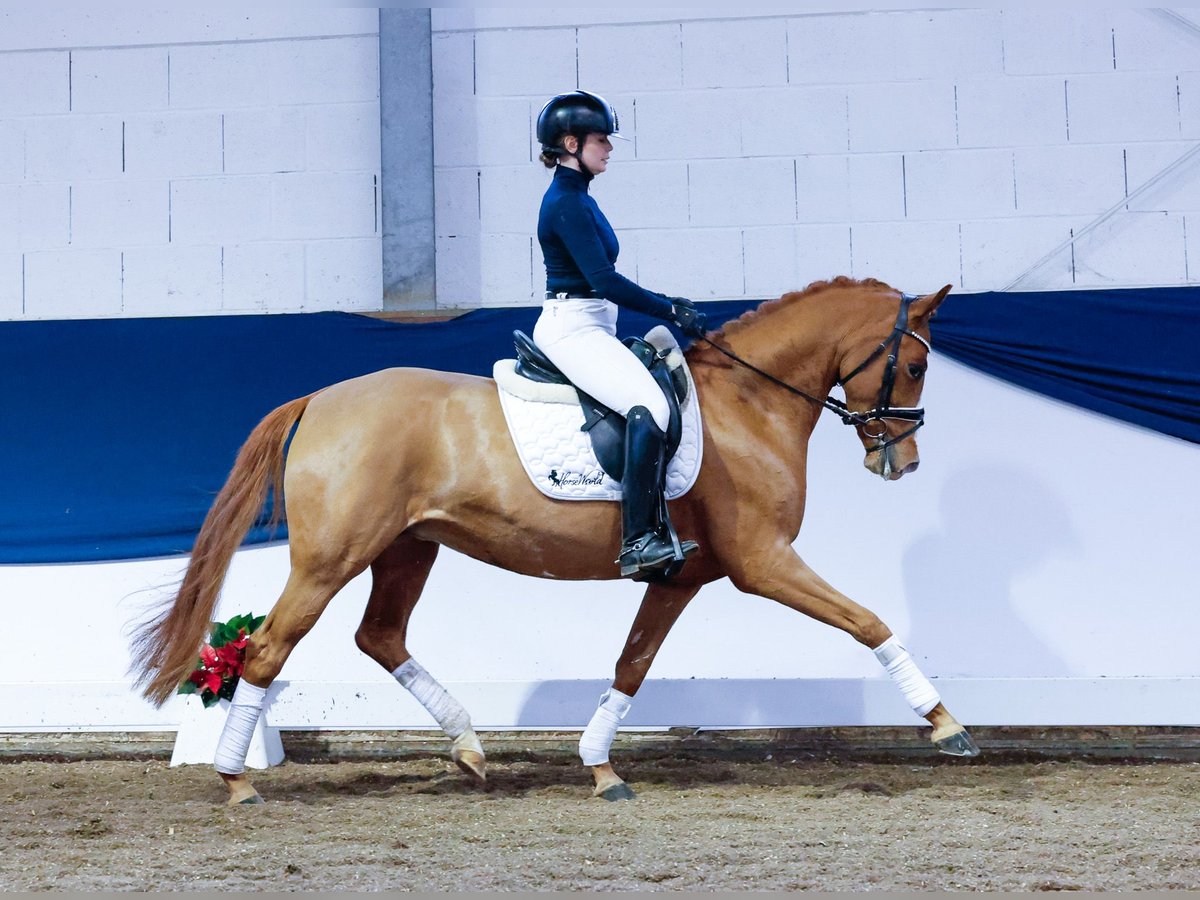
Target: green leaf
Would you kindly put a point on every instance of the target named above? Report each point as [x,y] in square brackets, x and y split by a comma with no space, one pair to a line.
[188,687]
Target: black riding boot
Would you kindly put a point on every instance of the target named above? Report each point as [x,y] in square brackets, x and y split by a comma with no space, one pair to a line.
[647,547]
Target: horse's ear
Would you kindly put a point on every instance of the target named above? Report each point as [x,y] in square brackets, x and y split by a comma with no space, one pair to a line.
[925,307]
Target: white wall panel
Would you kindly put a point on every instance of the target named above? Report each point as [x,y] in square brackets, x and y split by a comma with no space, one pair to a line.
[231,208]
[1057,39]
[10,216]
[742,192]
[535,61]
[1011,111]
[910,256]
[457,211]
[916,115]
[65,148]
[12,150]
[60,282]
[165,281]
[700,263]
[959,184]
[339,138]
[1123,107]
[124,213]
[220,76]
[453,66]
[1133,248]
[995,252]
[263,140]
[788,121]
[1178,191]
[789,258]
[688,125]
[470,131]
[607,66]
[459,271]
[44,213]
[509,197]
[173,145]
[343,274]
[70,27]
[842,49]
[506,262]
[749,53]
[34,216]
[127,80]
[1069,179]
[644,194]
[1189,105]
[34,83]
[1149,40]
[262,276]
[12,288]
[335,70]
[320,205]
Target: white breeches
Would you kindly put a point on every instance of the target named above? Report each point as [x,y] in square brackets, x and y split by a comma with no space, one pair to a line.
[579,336]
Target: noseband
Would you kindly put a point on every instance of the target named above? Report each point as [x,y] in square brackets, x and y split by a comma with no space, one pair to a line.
[883,411]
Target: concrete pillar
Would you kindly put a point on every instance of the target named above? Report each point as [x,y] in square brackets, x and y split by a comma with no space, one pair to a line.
[406,189]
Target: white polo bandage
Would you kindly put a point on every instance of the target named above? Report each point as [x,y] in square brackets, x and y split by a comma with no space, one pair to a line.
[244,710]
[915,687]
[446,711]
[598,736]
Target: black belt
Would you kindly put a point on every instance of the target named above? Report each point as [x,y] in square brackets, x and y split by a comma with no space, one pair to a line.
[565,295]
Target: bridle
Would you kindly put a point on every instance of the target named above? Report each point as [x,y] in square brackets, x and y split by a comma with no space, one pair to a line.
[883,411]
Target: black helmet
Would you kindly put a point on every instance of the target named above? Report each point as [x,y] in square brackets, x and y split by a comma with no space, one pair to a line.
[578,113]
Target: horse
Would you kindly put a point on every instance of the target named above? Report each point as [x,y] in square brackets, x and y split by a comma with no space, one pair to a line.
[383,469]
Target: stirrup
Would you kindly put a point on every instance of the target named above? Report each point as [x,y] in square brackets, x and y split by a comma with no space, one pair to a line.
[633,565]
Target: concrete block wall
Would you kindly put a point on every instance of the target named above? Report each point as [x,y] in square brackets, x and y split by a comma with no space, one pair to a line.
[183,163]
[769,149]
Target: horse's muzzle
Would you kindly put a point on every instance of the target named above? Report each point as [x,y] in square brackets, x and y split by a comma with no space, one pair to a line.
[889,464]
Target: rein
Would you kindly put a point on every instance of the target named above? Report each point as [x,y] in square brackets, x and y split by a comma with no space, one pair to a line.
[883,410]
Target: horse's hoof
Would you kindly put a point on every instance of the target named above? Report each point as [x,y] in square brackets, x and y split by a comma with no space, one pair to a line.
[252,800]
[957,744]
[618,791]
[472,763]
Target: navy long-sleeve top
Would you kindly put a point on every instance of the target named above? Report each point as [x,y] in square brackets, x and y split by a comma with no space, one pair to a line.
[580,248]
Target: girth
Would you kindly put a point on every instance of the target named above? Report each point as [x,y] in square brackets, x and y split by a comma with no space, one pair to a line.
[604,426]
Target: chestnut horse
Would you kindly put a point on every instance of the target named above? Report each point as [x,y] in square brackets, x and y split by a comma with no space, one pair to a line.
[384,468]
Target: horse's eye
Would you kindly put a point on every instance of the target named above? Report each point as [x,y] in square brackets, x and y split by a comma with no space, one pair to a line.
[915,370]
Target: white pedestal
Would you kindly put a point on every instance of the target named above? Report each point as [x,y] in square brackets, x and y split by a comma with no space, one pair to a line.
[200,730]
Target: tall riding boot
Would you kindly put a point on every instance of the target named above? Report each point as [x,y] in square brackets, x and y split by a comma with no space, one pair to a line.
[647,546]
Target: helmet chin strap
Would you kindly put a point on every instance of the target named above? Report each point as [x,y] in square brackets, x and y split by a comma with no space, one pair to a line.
[578,156]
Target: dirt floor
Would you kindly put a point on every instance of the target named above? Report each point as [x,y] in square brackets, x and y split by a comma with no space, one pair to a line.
[774,823]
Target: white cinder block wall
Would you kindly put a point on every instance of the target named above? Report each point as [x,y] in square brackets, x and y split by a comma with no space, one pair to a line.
[771,149]
[182,162]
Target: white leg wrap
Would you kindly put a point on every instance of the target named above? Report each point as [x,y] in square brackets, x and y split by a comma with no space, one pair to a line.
[915,687]
[598,736]
[244,711]
[446,711]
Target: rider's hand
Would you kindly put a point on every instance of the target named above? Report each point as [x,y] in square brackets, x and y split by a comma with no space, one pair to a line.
[687,317]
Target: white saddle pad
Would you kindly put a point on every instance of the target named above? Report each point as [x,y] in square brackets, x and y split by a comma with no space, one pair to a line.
[545,421]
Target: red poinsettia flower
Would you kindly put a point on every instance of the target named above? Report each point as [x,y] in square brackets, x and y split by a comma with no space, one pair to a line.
[212,681]
[229,659]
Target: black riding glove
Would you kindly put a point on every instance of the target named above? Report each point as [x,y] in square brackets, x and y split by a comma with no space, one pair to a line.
[689,319]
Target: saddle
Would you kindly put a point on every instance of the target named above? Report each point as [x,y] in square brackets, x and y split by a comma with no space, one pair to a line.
[606,427]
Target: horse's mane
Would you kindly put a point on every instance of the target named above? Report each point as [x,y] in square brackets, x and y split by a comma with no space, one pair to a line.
[767,306]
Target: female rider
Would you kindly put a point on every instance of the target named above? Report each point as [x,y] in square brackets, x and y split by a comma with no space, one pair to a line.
[577,327]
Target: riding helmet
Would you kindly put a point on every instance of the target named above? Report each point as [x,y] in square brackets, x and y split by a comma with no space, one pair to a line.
[579,113]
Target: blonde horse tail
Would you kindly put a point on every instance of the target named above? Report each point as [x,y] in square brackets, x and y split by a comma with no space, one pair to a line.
[165,649]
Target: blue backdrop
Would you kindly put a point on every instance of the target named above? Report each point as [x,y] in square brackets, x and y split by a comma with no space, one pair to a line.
[117,434]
